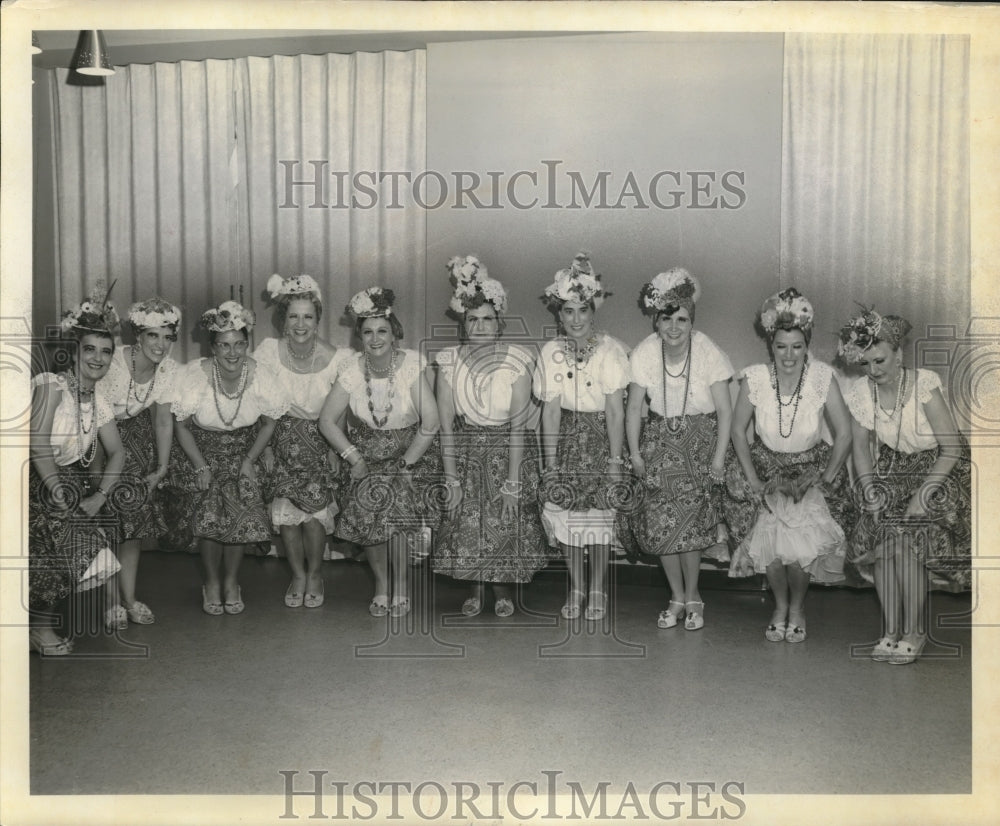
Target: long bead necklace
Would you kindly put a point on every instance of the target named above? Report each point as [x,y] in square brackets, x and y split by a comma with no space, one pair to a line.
[218,387]
[310,356]
[82,429]
[686,372]
[133,391]
[793,402]
[896,410]
[380,421]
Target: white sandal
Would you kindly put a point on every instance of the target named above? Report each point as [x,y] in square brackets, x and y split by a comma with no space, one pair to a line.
[669,618]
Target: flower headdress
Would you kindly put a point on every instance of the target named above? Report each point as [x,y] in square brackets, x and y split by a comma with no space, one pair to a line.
[866,330]
[473,286]
[578,282]
[371,303]
[786,310]
[95,313]
[675,287]
[153,312]
[229,315]
[295,285]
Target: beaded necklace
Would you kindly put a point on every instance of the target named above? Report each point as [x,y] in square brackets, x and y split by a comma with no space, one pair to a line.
[83,430]
[133,390]
[580,356]
[896,409]
[369,369]
[793,402]
[218,387]
[686,372]
[311,356]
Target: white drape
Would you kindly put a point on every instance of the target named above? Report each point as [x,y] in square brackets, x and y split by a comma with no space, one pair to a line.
[167,179]
[875,177]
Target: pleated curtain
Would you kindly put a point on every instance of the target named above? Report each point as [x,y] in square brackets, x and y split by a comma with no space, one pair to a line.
[167,179]
[875,177]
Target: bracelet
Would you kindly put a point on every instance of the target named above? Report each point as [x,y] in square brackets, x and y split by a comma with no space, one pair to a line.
[718,478]
[616,460]
[203,467]
[452,483]
[101,491]
[404,465]
[511,488]
[350,450]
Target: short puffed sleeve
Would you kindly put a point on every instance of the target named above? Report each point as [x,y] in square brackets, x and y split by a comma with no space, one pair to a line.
[412,369]
[350,377]
[927,382]
[166,381]
[266,353]
[613,374]
[543,383]
[714,363]
[758,382]
[446,360]
[191,384]
[269,394]
[859,402]
[643,365]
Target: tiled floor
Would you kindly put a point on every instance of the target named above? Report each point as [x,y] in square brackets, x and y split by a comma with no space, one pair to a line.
[220,705]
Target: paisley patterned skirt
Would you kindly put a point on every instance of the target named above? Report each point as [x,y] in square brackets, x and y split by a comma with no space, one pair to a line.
[302,484]
[477,543]
[63,544]
[942,538]
[137,508]
[677,509]
[232,510]
[381,504]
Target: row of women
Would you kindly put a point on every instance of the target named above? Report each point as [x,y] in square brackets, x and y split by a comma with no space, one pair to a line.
[512,458]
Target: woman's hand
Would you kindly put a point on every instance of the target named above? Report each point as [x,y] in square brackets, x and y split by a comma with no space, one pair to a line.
[639,467]
[267,459]
[153,479]
[93,503]
[359,470]
[922,496]
[333,460]
[453,495]
[717,471]
[509,505]
[247,469]
[203,477]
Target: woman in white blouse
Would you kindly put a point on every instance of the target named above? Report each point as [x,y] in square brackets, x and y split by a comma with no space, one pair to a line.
[790,505]
[579,378]
[224,411]
[492,532]
[302,480]
[139,384]
[385,482]
[680,452]
[68,549]
[913,467]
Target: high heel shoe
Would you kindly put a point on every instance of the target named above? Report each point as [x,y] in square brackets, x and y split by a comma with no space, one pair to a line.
[293,599]
[213,609]
[399,607]
[905,653]
[695,619]
[669,618]
[571,610]
[796,630]
[596,612]
[235,606]
[883,650]
[115,619]
[316,600]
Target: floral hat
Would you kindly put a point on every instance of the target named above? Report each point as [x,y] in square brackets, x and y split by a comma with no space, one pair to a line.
[866,330]
[786,310]
[153,312]
[371,303]
[295,285]
[473,286]
[675,287]
[229,315]
[578,282]
[95,313]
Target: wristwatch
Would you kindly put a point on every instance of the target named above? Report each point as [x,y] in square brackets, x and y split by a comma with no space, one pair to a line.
[404,465]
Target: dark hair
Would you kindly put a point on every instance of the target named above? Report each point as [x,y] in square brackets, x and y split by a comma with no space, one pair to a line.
[394,324]
[669,310]
[78,334]
[214,334]
[281,310]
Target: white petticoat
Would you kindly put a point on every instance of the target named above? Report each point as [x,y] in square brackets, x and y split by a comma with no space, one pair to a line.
[802,532]
[283,512]
[578,529]
[102,567]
